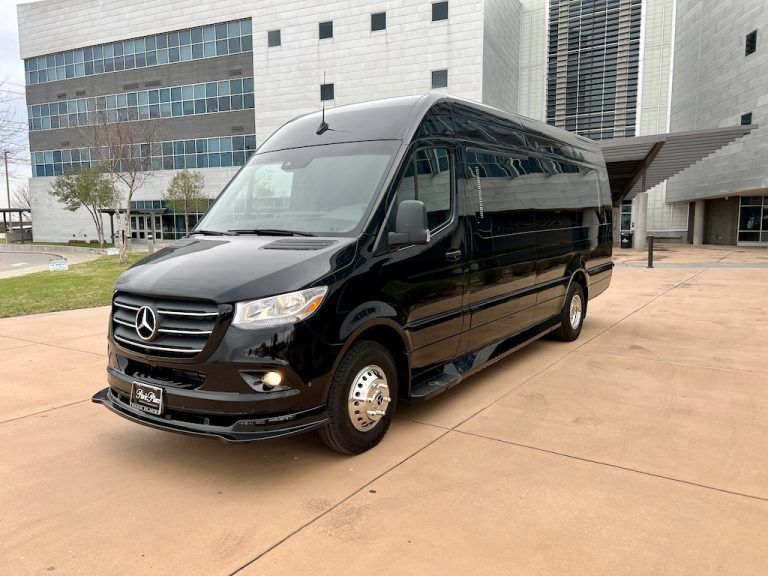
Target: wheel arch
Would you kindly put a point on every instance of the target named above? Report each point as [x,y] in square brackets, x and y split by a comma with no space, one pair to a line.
[388,333]
[580,276]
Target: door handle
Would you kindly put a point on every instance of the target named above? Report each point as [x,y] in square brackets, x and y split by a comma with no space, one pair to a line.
[453,255]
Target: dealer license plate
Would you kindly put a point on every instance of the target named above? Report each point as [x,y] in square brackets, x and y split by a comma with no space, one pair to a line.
[147,398]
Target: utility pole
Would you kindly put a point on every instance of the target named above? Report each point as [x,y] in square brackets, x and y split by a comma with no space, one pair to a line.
[8,192]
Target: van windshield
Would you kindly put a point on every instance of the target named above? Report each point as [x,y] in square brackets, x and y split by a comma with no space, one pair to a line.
[317,190]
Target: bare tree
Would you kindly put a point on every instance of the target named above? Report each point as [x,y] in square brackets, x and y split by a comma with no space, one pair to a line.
[124,151]
[11,128]
[12,132]
[21,197]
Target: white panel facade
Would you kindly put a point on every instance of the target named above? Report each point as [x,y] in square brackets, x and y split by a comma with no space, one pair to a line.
[532,90]
[55,25]
[362,65]
[658,19]
[54,224]
[714,84]
[653,108]
[501,57]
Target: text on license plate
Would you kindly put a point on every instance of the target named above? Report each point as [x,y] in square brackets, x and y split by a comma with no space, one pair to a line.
[147,398]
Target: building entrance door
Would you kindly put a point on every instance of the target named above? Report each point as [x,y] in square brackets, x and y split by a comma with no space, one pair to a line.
[141,227]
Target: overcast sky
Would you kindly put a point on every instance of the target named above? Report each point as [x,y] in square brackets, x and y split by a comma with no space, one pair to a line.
[12,71]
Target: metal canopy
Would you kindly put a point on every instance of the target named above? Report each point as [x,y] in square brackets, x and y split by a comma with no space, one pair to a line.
[638,164]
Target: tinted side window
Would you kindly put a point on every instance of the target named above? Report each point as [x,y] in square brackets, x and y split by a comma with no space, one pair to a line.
[567,195]
[428,178]
[472,125]
[503,195]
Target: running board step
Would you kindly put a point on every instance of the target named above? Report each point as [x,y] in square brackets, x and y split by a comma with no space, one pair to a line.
[449,377]
[454,372]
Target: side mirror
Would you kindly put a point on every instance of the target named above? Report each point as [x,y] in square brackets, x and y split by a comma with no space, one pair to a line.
[411,224]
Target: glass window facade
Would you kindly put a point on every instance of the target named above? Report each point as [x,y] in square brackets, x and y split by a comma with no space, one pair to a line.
[753,219]
[593,66]
[163,223]
[173,102]
[169,155]
[626,216]
[746,119]
[209,41]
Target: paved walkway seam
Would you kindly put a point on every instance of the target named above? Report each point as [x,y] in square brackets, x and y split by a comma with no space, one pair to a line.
[617,466]
[44,411]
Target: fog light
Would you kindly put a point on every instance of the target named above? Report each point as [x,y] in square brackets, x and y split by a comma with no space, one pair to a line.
[266,382]
[272,379]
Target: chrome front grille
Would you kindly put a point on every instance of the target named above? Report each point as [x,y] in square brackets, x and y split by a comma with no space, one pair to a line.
[181,327]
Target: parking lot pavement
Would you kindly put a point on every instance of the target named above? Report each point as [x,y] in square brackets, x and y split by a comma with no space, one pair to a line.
[638,449]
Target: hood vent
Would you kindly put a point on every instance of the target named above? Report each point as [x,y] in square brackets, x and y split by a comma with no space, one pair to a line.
[299,244]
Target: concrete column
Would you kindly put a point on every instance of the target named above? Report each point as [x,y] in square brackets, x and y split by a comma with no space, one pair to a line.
[641,220]
[698,223]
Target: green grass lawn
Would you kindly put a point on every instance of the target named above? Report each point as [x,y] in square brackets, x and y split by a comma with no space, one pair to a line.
[82,286]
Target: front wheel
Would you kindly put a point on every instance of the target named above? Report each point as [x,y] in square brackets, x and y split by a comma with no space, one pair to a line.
[361,400]
[572,315]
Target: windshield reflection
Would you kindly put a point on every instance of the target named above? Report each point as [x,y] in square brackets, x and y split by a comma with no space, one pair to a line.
[317,190]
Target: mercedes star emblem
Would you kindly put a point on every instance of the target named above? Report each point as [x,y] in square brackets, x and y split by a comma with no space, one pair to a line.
[146,324]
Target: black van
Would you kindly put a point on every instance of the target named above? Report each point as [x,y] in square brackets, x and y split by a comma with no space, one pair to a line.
[381,252]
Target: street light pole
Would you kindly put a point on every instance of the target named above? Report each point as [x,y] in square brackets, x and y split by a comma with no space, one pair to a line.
[8,192]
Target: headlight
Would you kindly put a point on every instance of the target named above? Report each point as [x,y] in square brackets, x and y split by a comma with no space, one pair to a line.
[278,310]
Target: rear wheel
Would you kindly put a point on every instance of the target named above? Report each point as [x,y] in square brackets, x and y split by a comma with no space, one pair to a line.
[361,400]
[572,315]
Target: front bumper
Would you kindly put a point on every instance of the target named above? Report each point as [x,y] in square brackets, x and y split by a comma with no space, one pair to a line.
[243,429]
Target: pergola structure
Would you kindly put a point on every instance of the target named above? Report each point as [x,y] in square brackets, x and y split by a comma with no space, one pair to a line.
[8,216]
[637,164]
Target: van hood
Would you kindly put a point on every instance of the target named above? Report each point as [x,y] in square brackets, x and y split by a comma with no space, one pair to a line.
[230,269]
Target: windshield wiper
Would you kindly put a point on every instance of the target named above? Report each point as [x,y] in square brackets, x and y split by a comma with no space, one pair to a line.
[211,233]
[271,232]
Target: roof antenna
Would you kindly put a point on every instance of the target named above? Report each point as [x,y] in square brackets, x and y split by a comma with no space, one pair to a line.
[323,124]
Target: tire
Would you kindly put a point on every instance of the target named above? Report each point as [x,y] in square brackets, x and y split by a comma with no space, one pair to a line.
[572,315]
[367,371]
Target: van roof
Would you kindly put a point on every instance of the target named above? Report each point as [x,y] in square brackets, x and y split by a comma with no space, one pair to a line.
[396,119]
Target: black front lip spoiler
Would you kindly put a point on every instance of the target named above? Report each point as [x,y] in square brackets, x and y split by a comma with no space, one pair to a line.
[299,423]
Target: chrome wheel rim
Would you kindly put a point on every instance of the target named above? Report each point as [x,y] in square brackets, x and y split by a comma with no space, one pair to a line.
[368,398]
[575,311]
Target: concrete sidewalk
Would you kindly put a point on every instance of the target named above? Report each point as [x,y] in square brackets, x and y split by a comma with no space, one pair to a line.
[638,449]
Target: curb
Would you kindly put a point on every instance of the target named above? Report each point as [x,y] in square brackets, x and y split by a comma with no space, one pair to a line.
[47,248]
[36,251]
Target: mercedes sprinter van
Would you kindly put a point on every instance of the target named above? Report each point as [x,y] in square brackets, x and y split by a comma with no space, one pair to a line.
[375,253]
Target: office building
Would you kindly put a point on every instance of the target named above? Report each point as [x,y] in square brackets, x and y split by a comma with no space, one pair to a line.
[218,79]
[221,78]
[620,68]
[602,68]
